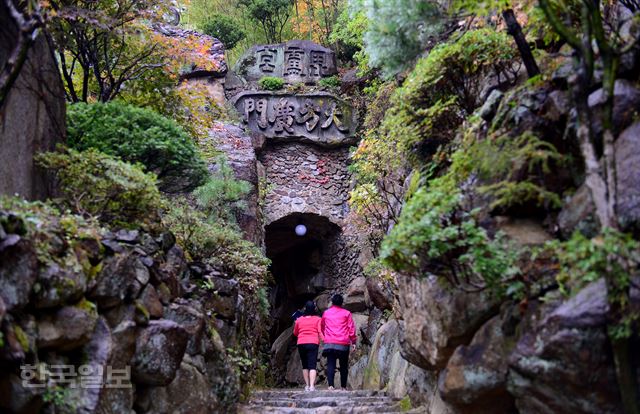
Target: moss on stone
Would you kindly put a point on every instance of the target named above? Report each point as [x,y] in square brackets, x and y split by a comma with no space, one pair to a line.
[405,403]
[22,337]
[87,306]
[142,312]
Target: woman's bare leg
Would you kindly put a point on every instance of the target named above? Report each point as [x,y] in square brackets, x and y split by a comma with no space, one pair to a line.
[312,378]
[305,374]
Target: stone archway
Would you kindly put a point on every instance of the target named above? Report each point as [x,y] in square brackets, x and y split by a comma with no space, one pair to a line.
[302,266]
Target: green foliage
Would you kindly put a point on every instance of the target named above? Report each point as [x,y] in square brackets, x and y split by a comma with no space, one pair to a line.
[330,82]
[405,404]
[271,83]
[272,15]
[138,135]
[397,31]
[60,398]
[511,164]
[438,233]
[216,243]
[443,88]
[225,29]
[222,196]
[611,253]
[98,185]
[263,301]
[348,33]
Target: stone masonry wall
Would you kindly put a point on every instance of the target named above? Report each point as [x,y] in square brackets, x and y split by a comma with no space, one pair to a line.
[305,179]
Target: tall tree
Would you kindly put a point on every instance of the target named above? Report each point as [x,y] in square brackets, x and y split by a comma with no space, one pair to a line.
[272,15]
[28,21]
[514,28]
[598,41]
[101,45]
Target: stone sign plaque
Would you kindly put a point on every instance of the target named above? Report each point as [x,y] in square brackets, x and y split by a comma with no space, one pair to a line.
[295,61]
[320,117]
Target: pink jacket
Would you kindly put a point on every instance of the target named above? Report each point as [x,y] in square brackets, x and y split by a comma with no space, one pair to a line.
[307,329]
[337,326]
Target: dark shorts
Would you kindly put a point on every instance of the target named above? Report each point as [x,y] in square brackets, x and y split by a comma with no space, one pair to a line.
[308,355]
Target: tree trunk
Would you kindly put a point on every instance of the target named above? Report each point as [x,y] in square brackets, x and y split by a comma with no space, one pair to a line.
[515,30]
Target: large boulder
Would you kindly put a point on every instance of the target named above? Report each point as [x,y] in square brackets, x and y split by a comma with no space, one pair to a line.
[159,351]
[626,98]
[578,213]
[187,393]
[356,297]
[97,353]
[123,345]
[628,176]
[475,380]
[18,272]
[192,320]
[281,346]
[58,285]
[563,363]
[385,346]
[121,278]
[68,327]
[438,319]
[32,115]
[380,293]
[241,154]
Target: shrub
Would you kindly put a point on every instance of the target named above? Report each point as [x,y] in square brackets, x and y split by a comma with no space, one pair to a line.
[611,254]
[138,135]
[216,243]
[222,196]
[271,83]
[397,31]
[225,29]
[443,88]
[348,33]
[98,185]
[437,234]
[330,82]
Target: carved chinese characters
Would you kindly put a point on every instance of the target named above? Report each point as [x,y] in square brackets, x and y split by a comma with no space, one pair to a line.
[294,61]
[320,118]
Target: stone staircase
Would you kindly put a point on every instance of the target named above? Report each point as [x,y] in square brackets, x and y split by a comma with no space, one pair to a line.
[321,401]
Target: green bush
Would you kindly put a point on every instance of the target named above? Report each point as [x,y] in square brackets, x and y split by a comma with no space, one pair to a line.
[271,83]
[222,196]
[217,243]
[436,234]
[225,29]
[611,254]
[348,33]
[330,82]
[138,135]
[443,89]
[98,185]
[397,31]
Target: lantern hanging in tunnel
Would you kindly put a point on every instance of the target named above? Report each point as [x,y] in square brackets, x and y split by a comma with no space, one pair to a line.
[301,229]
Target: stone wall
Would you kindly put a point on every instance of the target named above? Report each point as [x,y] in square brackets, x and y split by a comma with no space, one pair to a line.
[32,117]
[96,301]
[306,179]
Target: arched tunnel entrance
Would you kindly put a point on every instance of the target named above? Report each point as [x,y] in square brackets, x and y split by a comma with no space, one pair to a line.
[301,264]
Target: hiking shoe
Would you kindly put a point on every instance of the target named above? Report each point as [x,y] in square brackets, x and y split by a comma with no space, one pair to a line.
[312,389]
[331,388]
[306,388]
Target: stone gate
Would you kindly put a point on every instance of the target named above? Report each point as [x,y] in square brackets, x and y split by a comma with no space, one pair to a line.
[302,142]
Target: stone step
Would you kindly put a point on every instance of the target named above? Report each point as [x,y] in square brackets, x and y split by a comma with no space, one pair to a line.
[321,401]
[319,410]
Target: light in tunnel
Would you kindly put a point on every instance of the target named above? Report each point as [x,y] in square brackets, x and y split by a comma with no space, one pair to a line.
[301,229]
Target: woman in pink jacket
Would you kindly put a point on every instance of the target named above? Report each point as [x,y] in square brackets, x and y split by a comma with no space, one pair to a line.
[307,329]
[339,333]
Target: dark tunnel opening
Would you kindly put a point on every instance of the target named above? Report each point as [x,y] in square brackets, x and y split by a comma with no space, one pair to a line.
[300,264]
